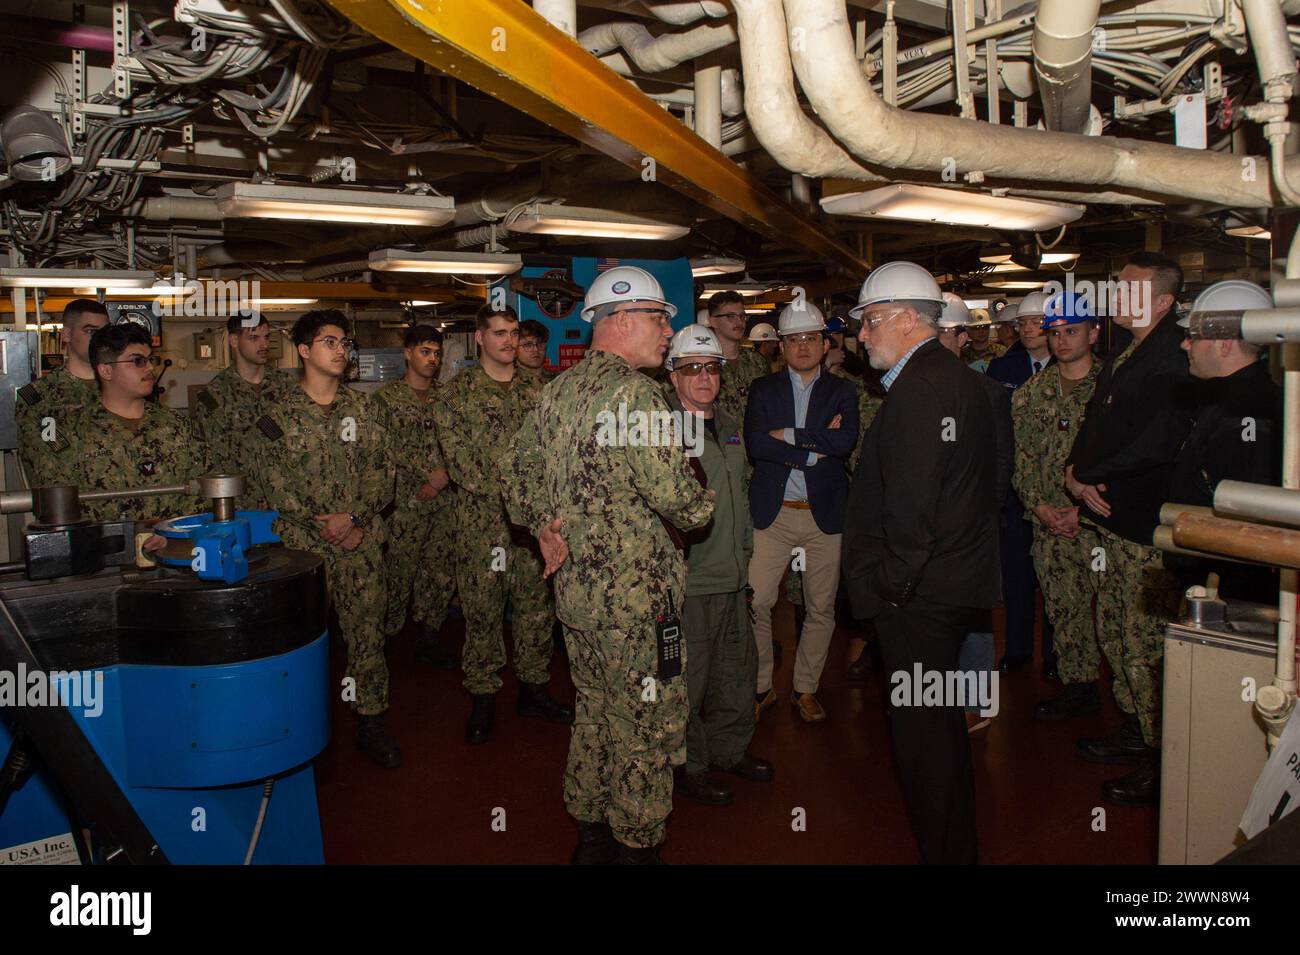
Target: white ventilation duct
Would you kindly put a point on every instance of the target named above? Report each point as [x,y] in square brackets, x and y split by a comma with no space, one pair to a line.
[683,14]
[653,54]
[1062,46]
[832,78]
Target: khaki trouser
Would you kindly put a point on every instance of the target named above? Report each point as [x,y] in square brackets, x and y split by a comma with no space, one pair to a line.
[775,549]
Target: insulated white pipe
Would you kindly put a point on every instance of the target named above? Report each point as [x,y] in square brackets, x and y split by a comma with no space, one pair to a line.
[682,14]
[1062,46]
[653,54]
[797,142]
[833,81]
[561,14]
[1266,25]
[708,103]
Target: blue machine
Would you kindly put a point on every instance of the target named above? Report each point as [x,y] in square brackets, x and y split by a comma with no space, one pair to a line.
[191,693]
[562,315]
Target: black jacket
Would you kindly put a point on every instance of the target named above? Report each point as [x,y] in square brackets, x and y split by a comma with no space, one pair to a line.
[1132,429]
[1238,437]
[922,519]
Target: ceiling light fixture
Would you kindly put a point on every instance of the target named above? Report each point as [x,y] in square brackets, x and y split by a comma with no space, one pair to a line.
[157,289]
[1249,231]
[75,278]
[1003,257]
[260,200]
[716,266]
[1016,284]
[748,291]
[275,303]
[916,203]
[540,219]
[445,263]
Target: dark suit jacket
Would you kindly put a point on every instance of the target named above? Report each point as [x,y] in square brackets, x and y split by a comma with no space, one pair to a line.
[1015,367]
[771,406]
[922,519]
[1132,429]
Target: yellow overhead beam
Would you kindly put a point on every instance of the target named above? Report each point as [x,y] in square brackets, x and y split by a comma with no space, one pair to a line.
[510,52]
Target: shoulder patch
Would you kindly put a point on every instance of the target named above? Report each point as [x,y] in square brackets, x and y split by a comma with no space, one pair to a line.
[29,394]
[206,399]
[269,428]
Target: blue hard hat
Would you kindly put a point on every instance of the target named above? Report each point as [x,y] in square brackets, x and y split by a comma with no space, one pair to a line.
[1068,308]
[835,324]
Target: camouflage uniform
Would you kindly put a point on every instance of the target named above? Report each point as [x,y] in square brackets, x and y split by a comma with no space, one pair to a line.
[979,360]
[109,454]
[308,460]
[737,375]
[477,419]
[421,534]
[224,411]
[1046,422]
[622,572]
[60,396]
[868,404]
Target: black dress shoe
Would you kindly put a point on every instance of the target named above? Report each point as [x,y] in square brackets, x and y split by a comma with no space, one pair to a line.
[749,767]
[700,788]
[860,669]
[1013,664]
[631,855]
[1121,747]
[535,700]
[428,649]
[1141,787]
[481,718]
[374,741]
[1078,699]
[596,845]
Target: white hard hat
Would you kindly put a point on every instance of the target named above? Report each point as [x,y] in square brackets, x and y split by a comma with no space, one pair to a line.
[624,283]
[1010,312]
[897,281]
[1230,295]
[955,313]
[1035,303]
[800,316]
[702,318]
[697,340]
[763,332]
[979,316]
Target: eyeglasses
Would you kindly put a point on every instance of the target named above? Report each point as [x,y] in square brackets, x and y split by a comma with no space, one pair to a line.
[691,369]
[331,343]
[140,361]
[530,344]
[735,315]
[660,314]
[806,339]
[875,321]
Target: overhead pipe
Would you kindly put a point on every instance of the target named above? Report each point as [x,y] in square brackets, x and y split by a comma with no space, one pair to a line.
[561,14]
[684,14]
[708,102]
[1062,47]
[833,80]
[1279,546]
[653,54]
[175,209]
[802,146]
[733,100]
[1257,502]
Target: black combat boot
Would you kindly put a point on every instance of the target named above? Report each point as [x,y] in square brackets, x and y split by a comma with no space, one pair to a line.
[629,855]
[535,700]
[1121,747]
[429,649]
[1078,699]
[374,741]
[700,788]
[1141,787]
[596,845]
[481,718]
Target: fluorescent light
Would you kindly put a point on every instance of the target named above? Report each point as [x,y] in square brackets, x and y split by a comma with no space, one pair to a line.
[1250,232]
[158,288]
[748,291]
[542,219]
[442,263]
[419,303]
[1013,284]
[716,266]
[275,302]
[1003,257]
[952,206]
[74,278]
[257,200]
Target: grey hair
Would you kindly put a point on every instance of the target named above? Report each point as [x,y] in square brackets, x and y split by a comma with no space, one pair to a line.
[930,312]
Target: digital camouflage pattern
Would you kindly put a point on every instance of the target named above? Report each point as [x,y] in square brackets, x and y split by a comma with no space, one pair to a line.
[110,455]
[308,460]
[1136,598]
[737,375]
[868,404]
[44,409]
[421,534]
[228,407]
[477,418]
[979,360]
[1046,422]
[621,572]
